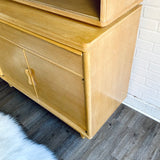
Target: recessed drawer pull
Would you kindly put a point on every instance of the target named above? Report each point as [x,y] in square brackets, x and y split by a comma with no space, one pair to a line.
[29,76]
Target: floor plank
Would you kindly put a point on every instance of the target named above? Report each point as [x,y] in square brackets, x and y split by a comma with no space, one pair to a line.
[127,135]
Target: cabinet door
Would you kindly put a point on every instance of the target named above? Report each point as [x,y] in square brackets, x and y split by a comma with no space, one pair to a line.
[59,89]
[14,68]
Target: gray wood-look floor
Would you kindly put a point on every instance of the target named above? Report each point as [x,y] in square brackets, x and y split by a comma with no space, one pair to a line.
[127,135]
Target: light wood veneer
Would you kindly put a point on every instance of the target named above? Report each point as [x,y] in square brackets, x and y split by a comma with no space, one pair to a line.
[78,72]
[96,12]
[16,65]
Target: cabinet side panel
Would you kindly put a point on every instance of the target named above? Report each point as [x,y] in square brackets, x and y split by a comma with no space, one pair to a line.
[110,67]
[103,10]
[113,9]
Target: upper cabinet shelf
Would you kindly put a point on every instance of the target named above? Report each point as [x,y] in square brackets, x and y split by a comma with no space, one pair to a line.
[96,12]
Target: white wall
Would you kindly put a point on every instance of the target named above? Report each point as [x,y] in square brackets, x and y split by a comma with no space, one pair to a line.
[145,77]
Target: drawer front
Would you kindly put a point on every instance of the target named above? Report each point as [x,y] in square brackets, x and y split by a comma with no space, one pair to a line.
[59,89]
[13,66]
[51,52]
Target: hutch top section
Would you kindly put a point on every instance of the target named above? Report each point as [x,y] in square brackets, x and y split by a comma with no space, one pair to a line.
[96,12]
[53,27]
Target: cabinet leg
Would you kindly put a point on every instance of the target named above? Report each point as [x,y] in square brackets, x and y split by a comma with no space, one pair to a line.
[82,136]
[10,85]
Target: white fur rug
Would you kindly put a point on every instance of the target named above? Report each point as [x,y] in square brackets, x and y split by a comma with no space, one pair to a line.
[14,144]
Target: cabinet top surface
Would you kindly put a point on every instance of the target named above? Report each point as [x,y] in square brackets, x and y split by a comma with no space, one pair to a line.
[69,32]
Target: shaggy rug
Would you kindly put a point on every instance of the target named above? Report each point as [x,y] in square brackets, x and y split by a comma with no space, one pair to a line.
[14,144]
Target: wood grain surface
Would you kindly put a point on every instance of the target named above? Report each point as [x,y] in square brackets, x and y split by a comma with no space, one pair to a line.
[90,8]
[14,71]
[50,52]
[95,12]
[66,31]
[127,135]
[83,89]
[59,89]
[108,66]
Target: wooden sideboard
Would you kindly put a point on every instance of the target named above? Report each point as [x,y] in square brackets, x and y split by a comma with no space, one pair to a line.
[95,12]
[78,72]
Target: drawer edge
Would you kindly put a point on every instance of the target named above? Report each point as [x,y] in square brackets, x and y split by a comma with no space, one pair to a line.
[75,51]
[46,59]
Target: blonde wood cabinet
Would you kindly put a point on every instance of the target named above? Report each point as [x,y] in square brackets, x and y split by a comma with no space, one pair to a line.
[59,88]
[16,69]
[78,72]
[96,12]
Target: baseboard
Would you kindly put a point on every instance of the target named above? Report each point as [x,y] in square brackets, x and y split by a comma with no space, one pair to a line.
[149,110]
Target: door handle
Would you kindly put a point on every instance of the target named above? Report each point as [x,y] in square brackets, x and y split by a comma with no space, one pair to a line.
[29,76]
[31,80]
[1,73]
